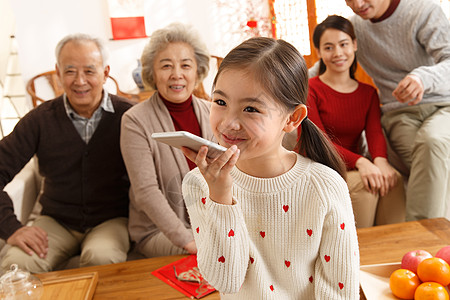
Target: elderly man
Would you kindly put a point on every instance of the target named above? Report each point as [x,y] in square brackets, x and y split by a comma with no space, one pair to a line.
[76,140]
[404,45]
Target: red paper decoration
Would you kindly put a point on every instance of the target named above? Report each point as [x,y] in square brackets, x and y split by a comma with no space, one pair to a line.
[128,28]
[252,23]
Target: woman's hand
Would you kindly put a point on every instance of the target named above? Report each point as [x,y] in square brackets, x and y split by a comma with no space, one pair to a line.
[388,172]
[371,176]
[216,171]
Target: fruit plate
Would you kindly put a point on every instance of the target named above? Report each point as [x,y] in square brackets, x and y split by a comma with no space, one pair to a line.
[374,280]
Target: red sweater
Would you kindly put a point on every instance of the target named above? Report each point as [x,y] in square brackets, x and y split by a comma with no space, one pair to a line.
[343,116]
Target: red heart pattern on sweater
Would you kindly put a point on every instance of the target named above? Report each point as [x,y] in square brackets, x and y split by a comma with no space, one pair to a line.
[286,262]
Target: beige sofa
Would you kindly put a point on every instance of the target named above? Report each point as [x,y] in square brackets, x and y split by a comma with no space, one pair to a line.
[24,190]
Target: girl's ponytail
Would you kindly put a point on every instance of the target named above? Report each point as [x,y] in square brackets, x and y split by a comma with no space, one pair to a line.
[314,144]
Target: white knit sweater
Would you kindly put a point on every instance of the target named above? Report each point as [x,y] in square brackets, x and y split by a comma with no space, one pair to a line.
[288,237]
[415,39]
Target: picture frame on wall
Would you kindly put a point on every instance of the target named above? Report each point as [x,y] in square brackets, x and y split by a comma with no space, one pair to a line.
[127,20]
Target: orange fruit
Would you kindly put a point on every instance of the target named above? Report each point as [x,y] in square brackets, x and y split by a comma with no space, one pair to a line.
[403,283]
[430,291]
[434,269]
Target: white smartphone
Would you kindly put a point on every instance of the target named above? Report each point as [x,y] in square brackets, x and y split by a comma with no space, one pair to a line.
[186,139]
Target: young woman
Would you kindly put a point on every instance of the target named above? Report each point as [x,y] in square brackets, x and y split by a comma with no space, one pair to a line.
[344,108]
[270,223]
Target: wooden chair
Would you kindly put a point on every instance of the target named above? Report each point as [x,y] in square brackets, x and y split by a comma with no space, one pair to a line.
[218,60]
[56,87]
[199,89]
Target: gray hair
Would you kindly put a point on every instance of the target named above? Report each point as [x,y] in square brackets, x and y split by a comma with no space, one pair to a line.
[173,33]
[82,37]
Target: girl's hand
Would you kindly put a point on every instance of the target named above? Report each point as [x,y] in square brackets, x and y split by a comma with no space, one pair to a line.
[216,171]
[388,172]
[371,176]
[190,247]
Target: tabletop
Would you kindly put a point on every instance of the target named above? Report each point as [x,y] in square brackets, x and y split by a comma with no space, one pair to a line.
[388,243]
[379,244]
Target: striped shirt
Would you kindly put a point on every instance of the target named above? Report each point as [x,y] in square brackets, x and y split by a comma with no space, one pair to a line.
[86,126]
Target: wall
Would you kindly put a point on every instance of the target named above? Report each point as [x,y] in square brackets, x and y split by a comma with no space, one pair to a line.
[13,101]
[6,30]
[41,24]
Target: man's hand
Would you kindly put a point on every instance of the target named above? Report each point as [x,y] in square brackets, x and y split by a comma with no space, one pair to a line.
[29,239]
[409,89]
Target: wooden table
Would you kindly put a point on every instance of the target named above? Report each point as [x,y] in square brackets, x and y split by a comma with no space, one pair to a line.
[388,243]
[380,244]
[131,280]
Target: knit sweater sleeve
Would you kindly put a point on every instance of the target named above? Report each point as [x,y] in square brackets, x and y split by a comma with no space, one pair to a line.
[374,134]
[220,234]
[434,36]
[337,267]
[16,150]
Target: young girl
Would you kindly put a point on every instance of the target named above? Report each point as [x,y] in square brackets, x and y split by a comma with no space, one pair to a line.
[270,223]
[344,108]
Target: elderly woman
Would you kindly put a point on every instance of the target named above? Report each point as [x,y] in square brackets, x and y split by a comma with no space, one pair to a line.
[173,63]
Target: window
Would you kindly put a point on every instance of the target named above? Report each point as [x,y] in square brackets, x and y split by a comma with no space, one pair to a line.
[291,25]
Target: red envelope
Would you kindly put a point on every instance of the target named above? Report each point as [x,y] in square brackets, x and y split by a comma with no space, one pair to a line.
[184,276]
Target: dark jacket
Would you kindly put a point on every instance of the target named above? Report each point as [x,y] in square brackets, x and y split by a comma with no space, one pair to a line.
[84,184]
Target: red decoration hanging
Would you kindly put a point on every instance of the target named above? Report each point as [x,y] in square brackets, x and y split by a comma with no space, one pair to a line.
[252,23]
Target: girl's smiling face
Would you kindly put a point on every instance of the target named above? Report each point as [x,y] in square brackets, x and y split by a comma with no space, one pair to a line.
[243,114]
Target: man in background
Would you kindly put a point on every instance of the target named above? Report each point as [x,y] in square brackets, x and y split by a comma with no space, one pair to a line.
[404,45]
[75,138]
